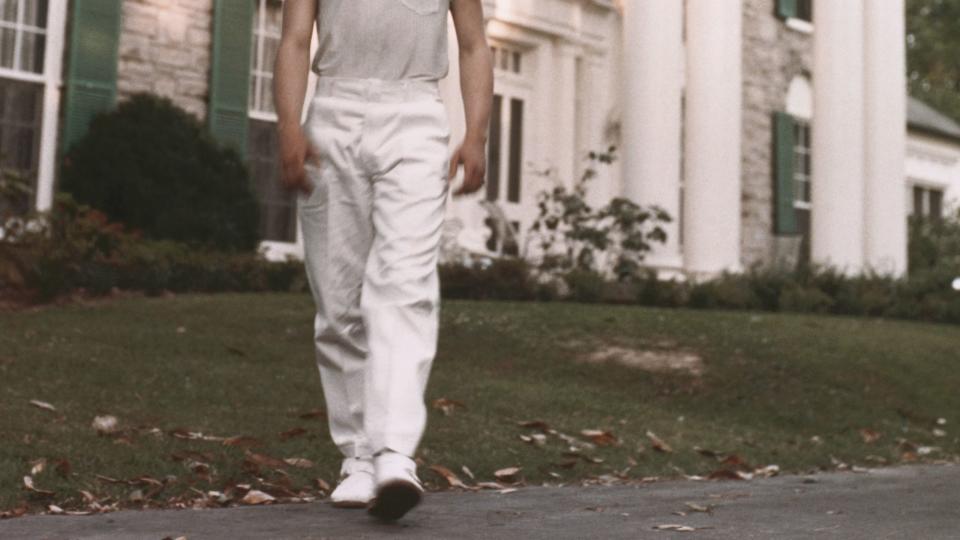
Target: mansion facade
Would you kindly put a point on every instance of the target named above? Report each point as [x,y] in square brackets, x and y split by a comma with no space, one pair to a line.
[773,131]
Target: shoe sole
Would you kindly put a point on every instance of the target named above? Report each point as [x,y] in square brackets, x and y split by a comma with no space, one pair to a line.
[394,499]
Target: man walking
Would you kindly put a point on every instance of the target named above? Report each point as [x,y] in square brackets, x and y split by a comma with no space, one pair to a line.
[372,171]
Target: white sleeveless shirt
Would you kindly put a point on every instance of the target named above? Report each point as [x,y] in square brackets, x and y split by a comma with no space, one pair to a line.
[382,39]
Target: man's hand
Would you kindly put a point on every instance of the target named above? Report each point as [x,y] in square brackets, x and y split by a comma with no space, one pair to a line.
[473,156]
[295,151]
[476,85]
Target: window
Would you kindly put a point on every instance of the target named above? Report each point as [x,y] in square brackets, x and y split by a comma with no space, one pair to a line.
[22,49]
[506,58]
[796,11]
[23,35]
[805,10]
[266,39]
[493,150]
[927,202]
[278,218]
[505,125]
[496,244]
[504,173]
[801,183]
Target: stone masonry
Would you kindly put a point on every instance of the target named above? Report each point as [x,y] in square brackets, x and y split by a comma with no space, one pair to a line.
[165,50]
[773,54]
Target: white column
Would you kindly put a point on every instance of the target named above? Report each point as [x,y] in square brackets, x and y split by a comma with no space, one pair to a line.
[885,230]
[565,153]
[52,67]
[838,135]
[713,127]
[652,79]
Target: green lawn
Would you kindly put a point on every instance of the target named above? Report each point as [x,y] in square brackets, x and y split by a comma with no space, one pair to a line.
[791,390]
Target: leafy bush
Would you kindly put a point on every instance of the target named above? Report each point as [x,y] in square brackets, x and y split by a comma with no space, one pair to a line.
[75,247]
[609,241]
[934,242]
[153,167]
[505,278]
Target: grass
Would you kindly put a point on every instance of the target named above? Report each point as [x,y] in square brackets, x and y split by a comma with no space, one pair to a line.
[790,390]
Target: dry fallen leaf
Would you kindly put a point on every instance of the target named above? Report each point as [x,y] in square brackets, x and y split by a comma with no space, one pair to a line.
[316,413]
[534,424]
[62,467]
[322,485]
[16,512]
[255,496]
[768,471]
[105,424]
[706,452]
[265,460]
[42,405]
[299,463]
[289,434]
[869,436]
[37,466]
[600,437]
[538,439]
[447,405]
[466,470]
[28,484]
[242,441]
[508,474]
[699,508]
[735,461]
[452,479]
[658,443]
[674,527]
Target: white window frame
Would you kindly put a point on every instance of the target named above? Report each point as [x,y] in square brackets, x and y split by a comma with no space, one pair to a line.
[272,249]
[800,25]
[511,84]
[927,188]
[55,34]
[259,34]
[800,177]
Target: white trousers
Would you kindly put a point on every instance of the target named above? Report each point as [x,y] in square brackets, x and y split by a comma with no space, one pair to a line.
[371,231]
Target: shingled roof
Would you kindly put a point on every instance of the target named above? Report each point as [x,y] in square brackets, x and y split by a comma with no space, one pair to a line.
[922,117]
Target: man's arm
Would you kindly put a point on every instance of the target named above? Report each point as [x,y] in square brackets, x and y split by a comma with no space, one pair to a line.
[289,88]
[476,85]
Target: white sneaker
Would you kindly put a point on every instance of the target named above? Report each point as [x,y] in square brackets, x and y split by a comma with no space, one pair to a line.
[398,488]
[356,487]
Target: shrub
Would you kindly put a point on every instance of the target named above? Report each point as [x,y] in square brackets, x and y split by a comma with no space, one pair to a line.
[800,298]
[504,278]
[153,167]
[75,247]
[585,285]
[611,241]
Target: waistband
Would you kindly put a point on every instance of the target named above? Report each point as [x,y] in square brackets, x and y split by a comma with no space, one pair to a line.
[382,90]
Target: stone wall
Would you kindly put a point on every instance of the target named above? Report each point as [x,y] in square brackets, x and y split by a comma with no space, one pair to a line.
[773,54]
[165,50]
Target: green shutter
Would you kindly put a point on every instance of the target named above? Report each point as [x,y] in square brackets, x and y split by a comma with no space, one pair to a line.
[786,8]
[230,73]
[92,71]
[785,215]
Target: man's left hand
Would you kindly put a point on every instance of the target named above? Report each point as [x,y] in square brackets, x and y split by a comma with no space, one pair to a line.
[473,156]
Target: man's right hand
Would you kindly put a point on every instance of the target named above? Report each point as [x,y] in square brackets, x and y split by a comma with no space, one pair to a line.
[295,151]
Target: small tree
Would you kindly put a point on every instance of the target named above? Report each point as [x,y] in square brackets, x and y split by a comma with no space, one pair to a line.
[153,167]
[612,240]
